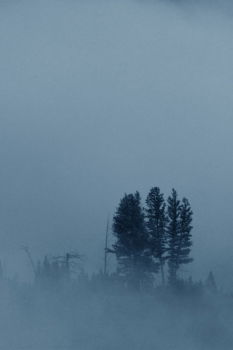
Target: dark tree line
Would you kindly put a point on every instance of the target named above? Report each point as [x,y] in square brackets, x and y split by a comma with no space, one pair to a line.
[148,238]
[154,239]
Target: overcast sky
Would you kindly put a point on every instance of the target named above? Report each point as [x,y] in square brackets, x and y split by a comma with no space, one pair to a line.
[99,98]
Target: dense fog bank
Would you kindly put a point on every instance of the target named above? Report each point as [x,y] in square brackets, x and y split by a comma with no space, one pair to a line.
[113,318]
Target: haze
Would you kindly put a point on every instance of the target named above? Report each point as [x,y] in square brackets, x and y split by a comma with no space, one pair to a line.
[99,98]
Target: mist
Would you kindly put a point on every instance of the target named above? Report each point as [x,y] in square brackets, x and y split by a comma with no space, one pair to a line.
[98,99]
[102,98]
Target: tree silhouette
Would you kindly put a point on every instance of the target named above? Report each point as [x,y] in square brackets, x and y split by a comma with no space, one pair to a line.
[179,234]
[156,226]
[131,246]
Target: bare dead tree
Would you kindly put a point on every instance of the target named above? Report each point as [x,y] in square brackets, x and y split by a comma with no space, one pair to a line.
[27,251]
[69,261]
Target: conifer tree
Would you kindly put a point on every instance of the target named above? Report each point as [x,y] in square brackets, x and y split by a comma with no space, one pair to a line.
[131,246]
[185,240]
[179,234]
[173,232]
[156,227]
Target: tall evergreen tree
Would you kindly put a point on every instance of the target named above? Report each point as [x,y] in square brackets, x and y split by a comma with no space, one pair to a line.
[131,246]
[173,232]
[185,241]
[156,227]
[179,233]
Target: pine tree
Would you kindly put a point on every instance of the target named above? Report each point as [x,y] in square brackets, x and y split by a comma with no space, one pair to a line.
[179,233]
[173,232]
[156,226]
[185,240]
[131,246]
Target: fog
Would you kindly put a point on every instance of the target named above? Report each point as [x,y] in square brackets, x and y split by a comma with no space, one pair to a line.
[99,98]
[113,319]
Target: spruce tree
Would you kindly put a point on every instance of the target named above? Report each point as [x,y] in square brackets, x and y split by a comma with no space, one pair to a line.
[185,241]
[173,232]
[179,234]
[131,246]
[156,227]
